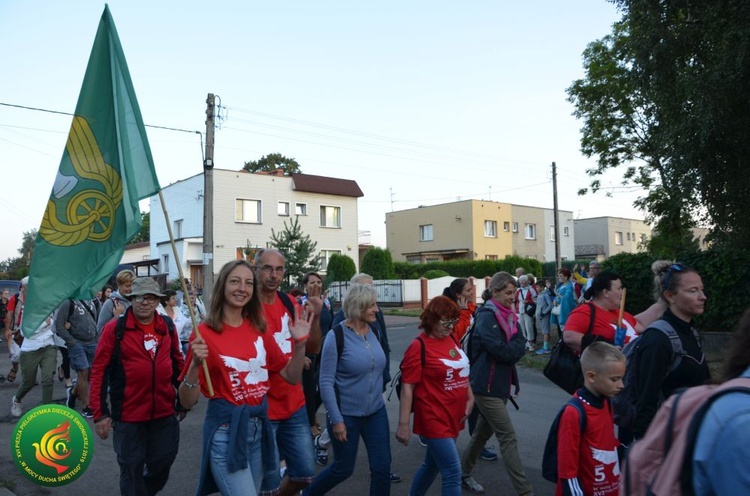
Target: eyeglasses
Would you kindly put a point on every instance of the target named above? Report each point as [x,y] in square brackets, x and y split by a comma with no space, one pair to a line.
[449,324]
[678,267]
[146,298]
[267,269]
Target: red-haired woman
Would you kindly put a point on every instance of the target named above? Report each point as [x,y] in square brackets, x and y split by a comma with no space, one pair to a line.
[435,384]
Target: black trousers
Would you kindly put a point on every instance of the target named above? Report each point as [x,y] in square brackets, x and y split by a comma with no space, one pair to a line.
[311,389]
[151,445]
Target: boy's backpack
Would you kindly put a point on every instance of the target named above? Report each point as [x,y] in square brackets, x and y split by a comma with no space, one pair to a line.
[549,459]
[662,462]
[465,343]
[624,402]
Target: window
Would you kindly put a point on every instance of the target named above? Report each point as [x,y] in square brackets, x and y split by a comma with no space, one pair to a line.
[618,237]
[628,236]
[515,227]
[165,264]
[490,229]
[325,257]
[284,209]
[530,231]
[300,208]
[506,226]
[643,239]
[566,231]
[552,233]
[425,232]
[177,229]
[330,216]
[490,257]
[247,211]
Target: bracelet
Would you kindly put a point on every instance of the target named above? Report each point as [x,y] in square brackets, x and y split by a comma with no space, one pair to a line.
[300,340]
[188,384]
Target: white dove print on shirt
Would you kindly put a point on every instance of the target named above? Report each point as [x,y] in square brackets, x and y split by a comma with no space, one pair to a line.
[462,363]
[607,458]
[255,367]
[283,336]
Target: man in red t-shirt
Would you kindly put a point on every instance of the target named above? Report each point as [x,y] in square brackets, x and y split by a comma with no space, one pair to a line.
[286,402]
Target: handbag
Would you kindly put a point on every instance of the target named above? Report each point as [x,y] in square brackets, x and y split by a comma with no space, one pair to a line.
[556,310]
[564,366]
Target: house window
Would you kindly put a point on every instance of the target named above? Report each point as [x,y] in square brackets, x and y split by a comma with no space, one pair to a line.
[552,233]
[330,216]
[300,209]
[628,236]
[643,239]
[515,227]
[325,257]
[247,211]
[284,208]
[506,226]
[425,232]
[490,229]
[530,231]
[165,264]
[490,257]
[566,231]
[177,229]
[618,237]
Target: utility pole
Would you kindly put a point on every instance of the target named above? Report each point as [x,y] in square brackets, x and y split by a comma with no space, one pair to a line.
[557,218]
[208,203]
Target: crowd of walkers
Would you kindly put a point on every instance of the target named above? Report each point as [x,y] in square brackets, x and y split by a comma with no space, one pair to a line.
[266,361]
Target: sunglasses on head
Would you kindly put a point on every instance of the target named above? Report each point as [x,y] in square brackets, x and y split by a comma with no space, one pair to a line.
[677,267]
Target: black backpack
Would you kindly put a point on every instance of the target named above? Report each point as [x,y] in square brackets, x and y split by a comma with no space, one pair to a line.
[549,459]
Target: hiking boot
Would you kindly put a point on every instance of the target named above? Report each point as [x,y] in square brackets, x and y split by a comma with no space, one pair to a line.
[16,410]
[469,483]
[488,455]
[321,453]
[395,478]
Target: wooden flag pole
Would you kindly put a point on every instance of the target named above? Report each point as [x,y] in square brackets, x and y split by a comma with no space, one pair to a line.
[622,306]
[185,291]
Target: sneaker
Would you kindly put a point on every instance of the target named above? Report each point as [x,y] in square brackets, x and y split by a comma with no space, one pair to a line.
[395,478]
[421,441]
[321,453]
[469,483]
[16,410]
[87,413]
[488,455]
[543,351]
[70,398]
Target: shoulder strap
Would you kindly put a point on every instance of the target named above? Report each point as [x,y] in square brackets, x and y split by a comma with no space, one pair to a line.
[578,405]
[338,333]
[71,307]
[287,302]
[421,343]
[674,339]
[592,318]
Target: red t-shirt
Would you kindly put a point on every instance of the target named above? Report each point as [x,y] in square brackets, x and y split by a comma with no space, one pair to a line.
[11,308]
[605,322]
[441,387]
[592,458]
[465,319]
[239,361]
[151,339]
[283,398]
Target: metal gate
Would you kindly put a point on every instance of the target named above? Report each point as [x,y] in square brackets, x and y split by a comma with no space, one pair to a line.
[390,292]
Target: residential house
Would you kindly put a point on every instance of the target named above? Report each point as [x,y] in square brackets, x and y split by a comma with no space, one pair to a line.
[247,207]
[602,237]
[470,230]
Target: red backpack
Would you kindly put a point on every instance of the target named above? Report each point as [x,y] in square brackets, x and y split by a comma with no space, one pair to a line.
[661,464]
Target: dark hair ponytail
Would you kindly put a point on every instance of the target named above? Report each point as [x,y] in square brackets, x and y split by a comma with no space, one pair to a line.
[601,282]
[455,288]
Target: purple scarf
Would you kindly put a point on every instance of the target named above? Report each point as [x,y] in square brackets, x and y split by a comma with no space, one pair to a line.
[507,319]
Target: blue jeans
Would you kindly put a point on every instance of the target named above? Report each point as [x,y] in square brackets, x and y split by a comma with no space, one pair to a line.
[245,481]
[376,435]
[441,456]
[294,442]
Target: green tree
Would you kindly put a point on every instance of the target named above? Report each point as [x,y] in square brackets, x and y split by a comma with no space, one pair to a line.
[271,162]
[378,263]
[340,268]
[145,233]
[298,249]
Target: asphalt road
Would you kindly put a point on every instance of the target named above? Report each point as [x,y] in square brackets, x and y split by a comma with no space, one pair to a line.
[539,401]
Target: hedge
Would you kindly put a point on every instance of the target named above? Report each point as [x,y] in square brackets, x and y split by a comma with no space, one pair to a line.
[468,268]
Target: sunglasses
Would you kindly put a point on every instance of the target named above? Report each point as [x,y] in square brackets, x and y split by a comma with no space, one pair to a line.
[449,324]
[678,267]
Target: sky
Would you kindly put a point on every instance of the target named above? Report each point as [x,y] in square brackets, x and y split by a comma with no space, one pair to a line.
[420,102]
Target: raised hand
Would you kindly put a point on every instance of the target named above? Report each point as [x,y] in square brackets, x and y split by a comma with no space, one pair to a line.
[300,329]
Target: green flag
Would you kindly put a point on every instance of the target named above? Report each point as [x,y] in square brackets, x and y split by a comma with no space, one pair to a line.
[105,170]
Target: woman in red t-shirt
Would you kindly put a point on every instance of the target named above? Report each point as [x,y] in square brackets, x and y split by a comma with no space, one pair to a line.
[605,294]
[435,384]
[240,355]
[461,292]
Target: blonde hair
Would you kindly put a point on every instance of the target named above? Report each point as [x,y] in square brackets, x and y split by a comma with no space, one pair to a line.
[358,298]
[597,355]
[124,277]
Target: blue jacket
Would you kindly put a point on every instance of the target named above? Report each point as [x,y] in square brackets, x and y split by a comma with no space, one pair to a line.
[723,447]
[493,360]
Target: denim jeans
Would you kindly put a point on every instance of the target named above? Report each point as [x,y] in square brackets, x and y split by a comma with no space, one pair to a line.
[145,452]
[442,457]
[294,442]
[246,481]
[375,433]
